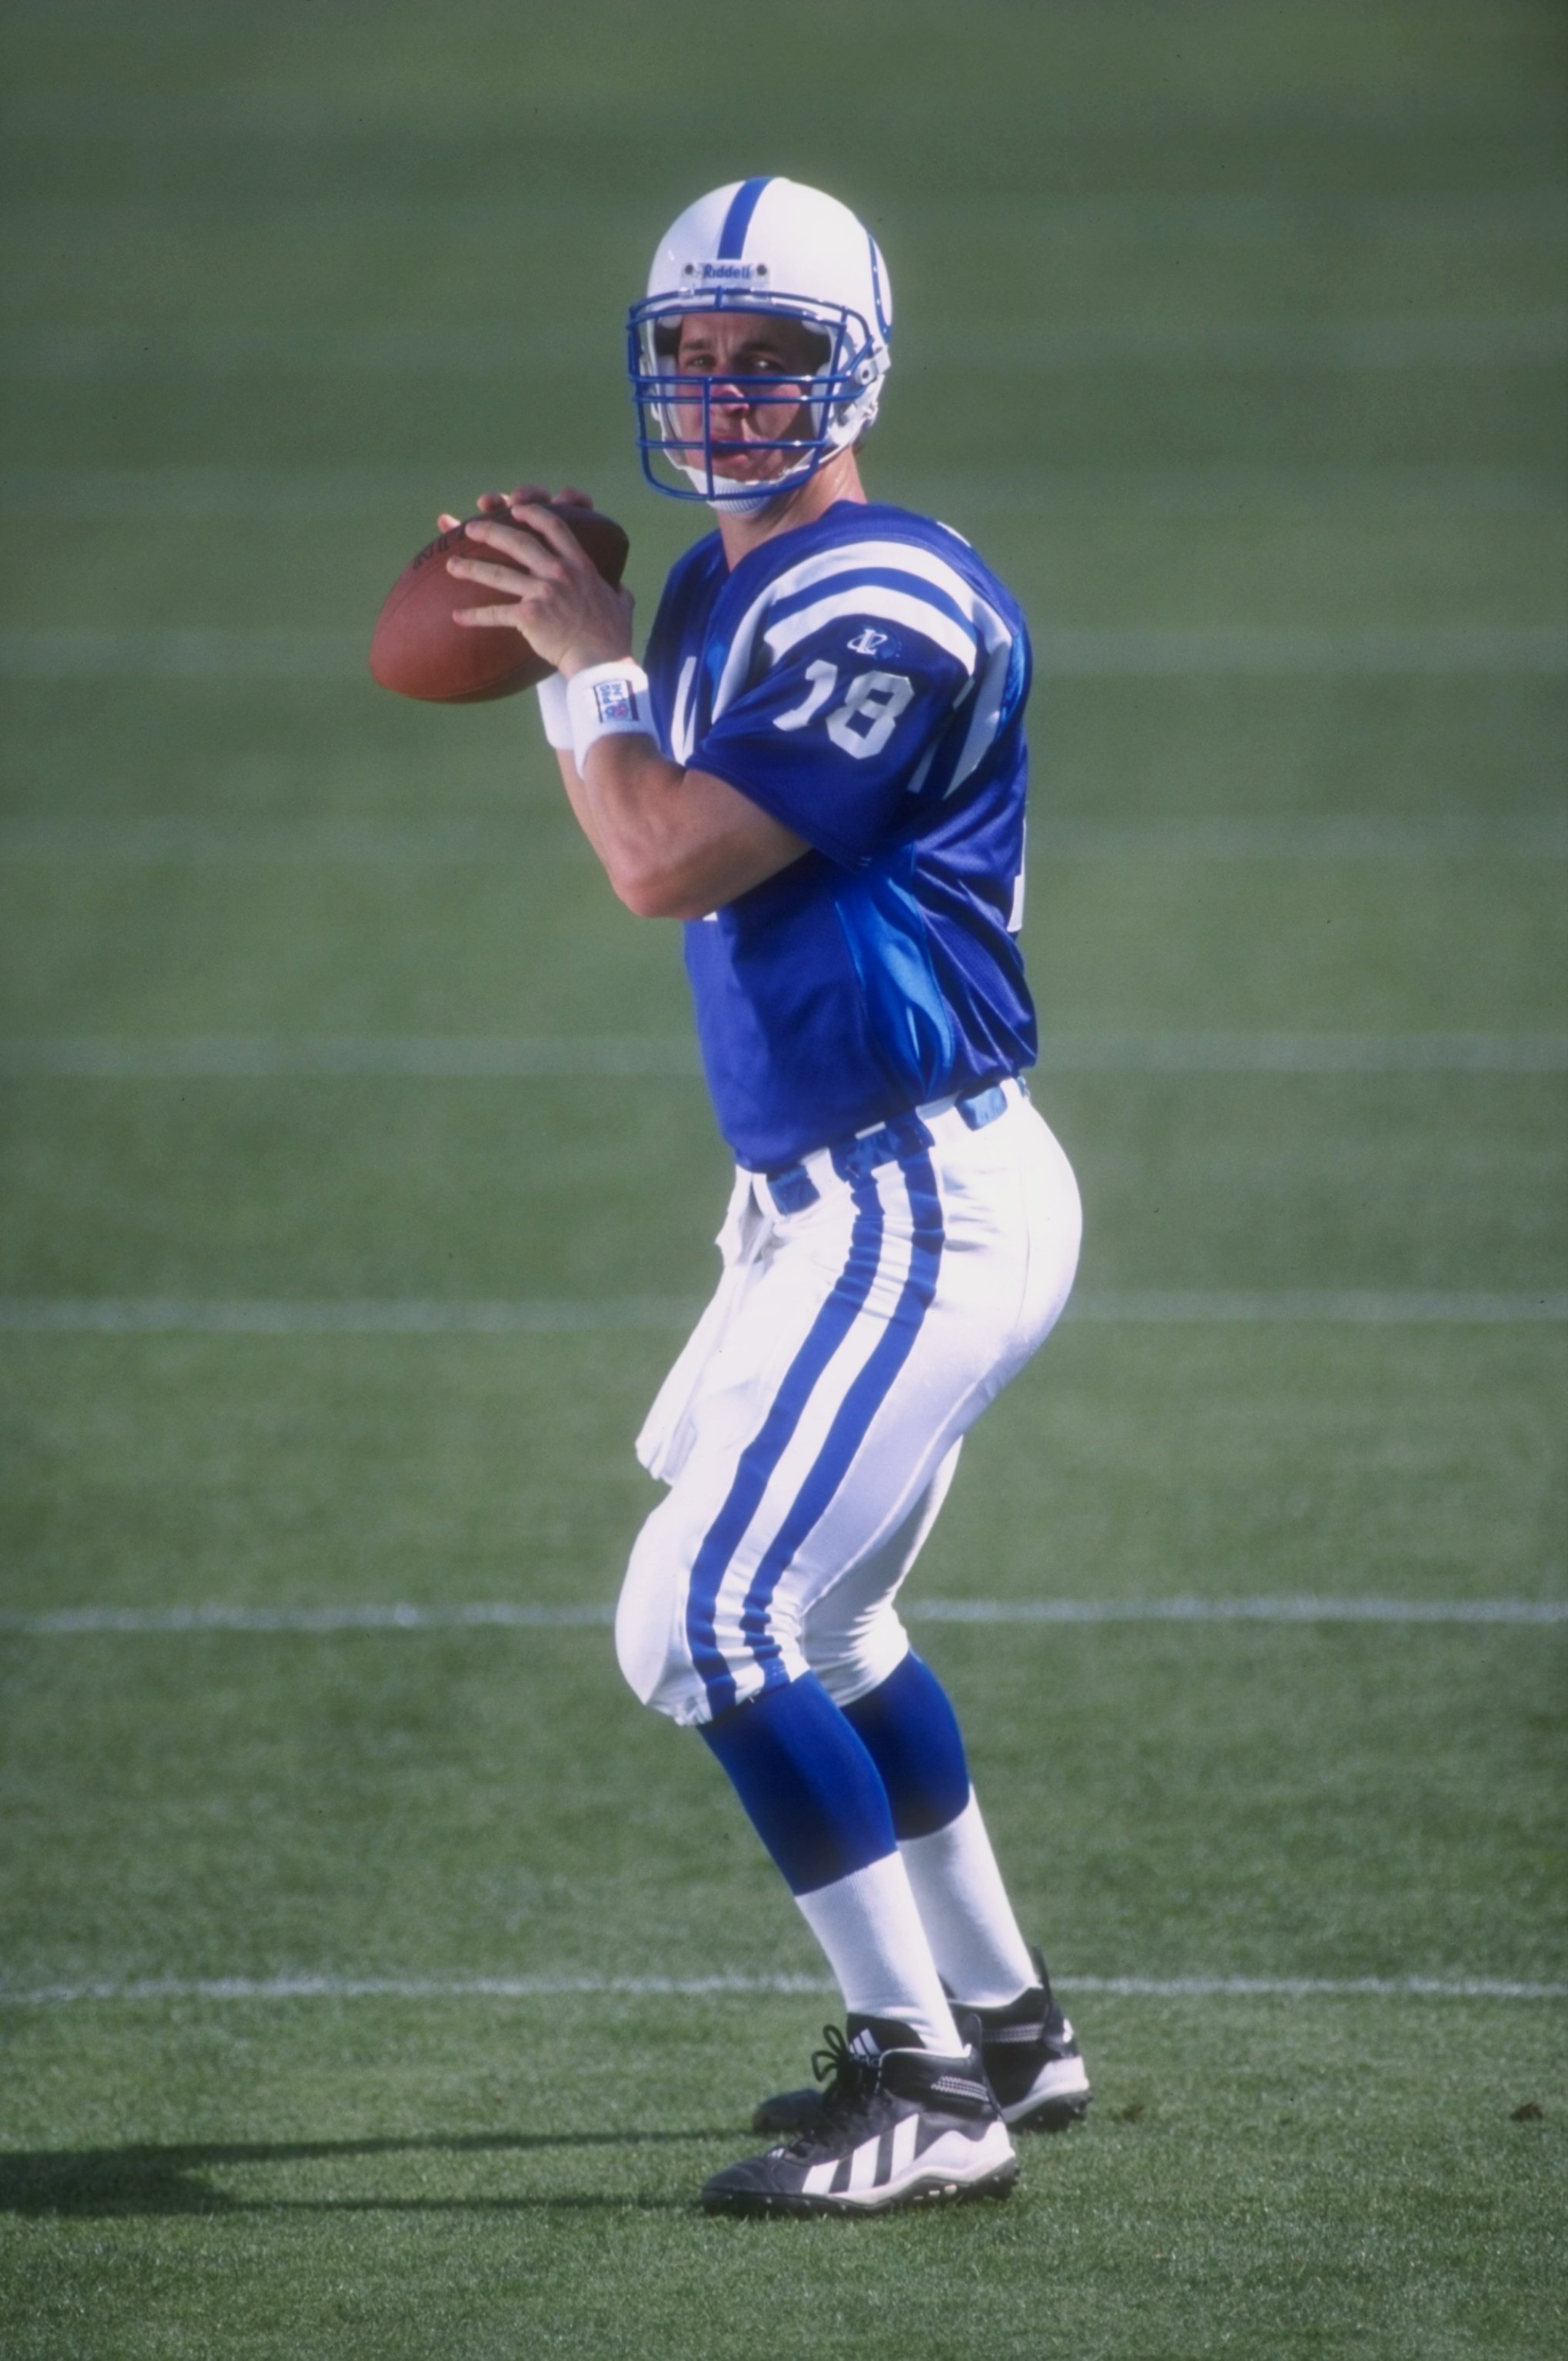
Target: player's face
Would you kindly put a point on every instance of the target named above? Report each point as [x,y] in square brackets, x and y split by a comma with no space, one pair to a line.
[734,350]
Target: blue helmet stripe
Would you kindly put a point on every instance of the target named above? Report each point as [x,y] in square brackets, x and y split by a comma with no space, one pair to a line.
[738,220]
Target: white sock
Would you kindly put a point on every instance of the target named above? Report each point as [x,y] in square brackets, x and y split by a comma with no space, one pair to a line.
[969,1927]
[868,1925]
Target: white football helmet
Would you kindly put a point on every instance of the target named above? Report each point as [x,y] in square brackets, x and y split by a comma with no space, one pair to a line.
[770,245]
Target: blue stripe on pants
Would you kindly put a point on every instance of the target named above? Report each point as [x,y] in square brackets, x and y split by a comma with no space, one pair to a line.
[856,1411]
[767,1448]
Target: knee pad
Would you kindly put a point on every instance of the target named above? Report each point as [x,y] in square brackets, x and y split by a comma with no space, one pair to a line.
[653,1637]
[911,1732]
[851,1659]
[650,1626]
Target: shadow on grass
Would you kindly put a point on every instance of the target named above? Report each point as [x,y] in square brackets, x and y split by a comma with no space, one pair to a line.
[99,2182]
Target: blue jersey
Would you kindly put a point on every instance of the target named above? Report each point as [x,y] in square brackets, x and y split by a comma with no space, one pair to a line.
[862,679]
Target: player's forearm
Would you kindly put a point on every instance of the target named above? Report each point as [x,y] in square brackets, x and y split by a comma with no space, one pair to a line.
[675,843]
[579,797]
[629,822]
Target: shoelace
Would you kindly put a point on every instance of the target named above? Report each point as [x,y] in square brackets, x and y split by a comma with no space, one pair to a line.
[851,2080]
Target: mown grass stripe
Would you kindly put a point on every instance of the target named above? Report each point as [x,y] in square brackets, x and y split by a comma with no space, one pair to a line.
[590,1058]
[216,113]
[1318,836]
[1159,217]
[155,840]
[71,1622]
[212,490]
[178,652]
[547,1987]
[548,833]
[1284,1610]
[410,349]
[432,1317]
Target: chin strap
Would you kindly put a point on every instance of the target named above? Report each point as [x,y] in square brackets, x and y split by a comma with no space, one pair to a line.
[748,503]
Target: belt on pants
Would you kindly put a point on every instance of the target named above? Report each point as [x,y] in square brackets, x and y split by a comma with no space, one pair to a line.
[795,1186]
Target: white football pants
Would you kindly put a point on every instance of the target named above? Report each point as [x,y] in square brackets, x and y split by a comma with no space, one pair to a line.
[810,1428]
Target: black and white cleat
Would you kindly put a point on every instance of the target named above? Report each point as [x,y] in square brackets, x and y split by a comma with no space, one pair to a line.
[895,2126]
[1031,2059]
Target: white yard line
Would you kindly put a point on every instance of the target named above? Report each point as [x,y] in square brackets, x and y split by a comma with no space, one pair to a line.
[168,1315]
[546,1987]
[584,1060]
[675,1055]
[1283,1609]
[1392,649]
[72,1622]
[1304,1053]
[69,1622]
[545,1316]
[174,653]
[1358,1306]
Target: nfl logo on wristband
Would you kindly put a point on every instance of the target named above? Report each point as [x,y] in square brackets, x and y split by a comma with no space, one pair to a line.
[608,700]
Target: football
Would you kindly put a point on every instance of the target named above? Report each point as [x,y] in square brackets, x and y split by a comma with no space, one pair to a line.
[419,651]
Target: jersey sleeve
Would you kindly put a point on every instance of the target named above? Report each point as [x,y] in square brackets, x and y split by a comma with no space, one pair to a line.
[852,683]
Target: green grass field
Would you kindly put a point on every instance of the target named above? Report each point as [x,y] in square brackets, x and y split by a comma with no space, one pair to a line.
[373,1989]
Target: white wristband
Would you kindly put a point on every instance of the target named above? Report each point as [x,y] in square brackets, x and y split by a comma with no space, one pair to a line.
[556,712]
[608,700]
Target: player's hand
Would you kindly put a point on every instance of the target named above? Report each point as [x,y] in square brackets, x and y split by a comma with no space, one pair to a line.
[554,593]
[524,495]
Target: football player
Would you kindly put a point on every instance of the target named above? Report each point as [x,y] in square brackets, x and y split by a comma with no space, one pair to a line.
[819,767]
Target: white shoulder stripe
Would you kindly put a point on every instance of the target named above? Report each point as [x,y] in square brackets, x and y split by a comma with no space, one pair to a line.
[887,606]
[876,557]
[850,559]
[985,722]
[681,718]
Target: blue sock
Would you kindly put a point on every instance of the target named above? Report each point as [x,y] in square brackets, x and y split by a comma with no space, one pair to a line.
[809,1784]
[911,1734]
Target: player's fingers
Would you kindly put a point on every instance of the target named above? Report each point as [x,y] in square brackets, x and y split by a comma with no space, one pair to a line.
[549,527]
[511,617]
[511,541]
[568,496]
[445,523]
[495,578]
[522,495]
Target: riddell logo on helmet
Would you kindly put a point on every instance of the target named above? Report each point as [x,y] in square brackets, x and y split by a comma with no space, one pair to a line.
[734,271]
